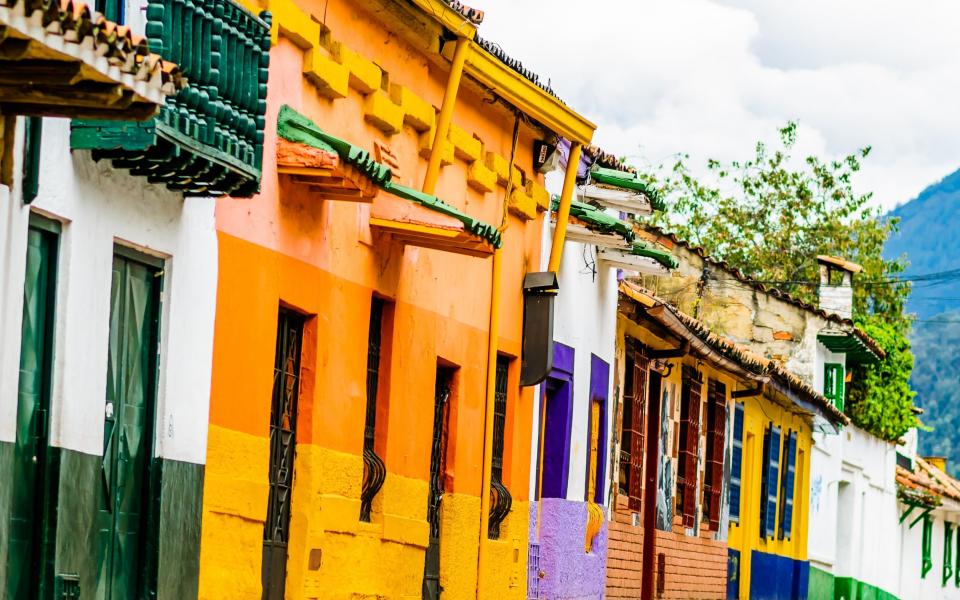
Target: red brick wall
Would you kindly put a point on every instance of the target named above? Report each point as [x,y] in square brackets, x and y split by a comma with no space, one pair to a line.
[695,567]
[624,554]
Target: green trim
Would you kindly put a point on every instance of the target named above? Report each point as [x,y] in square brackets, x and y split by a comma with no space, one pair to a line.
[627,181]
[45,223]
[297,128]
[661,256]
[596,219]
[820,585]
[178,504]
[843,342]
[849,588]
[31,158]
[475,226]
[138,256]
[926,548]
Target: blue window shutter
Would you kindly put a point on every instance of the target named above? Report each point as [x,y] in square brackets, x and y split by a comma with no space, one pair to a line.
[772,467]
[787,492]
[736,463]
[764,482]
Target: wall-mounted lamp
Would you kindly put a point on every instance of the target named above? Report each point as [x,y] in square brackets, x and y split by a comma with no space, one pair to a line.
[662,367]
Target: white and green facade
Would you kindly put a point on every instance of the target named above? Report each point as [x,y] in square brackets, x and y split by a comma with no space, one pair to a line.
[106,330]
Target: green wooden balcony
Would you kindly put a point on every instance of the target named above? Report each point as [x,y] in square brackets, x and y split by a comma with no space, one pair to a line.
[208,139]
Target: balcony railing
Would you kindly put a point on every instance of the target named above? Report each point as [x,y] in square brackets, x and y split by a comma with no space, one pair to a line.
[208,139]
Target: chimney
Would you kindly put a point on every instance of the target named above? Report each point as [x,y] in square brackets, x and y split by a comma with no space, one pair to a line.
[939,462]
[837,297]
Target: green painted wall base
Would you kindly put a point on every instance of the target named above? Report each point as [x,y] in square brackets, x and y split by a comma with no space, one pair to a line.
[79,561]
[6,495]
[821,586]
[824,585]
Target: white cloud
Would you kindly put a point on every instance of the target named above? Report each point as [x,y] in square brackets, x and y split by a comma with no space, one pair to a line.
[711,77]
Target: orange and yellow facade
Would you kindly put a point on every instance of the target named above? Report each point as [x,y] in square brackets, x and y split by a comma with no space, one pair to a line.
[322,240]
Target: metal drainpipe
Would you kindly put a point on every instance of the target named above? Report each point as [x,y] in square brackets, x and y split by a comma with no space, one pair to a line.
[446,114]
[488,420]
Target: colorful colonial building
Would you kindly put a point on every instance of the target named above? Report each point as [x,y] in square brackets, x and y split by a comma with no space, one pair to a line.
[849,470]
[713,454]
[570,462]
[367,413]
[109,271]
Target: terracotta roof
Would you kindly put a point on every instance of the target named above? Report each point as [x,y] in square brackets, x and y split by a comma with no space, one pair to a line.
[75,22]
[929,479]
[607,160]
[756,366]
[673,239]
[497,52]
[473,15]
[69,32]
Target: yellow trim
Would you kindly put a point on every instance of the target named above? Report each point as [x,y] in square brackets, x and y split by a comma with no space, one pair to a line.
[488,419]
[447,17]
[415,228]
[442,129]
[309,171]
[527,96]
[563,215]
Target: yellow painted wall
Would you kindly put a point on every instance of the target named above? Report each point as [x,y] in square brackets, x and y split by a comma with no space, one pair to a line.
[758,413]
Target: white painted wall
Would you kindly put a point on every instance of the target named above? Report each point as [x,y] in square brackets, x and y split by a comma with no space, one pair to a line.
[98,206]
[853,528]
[585,318]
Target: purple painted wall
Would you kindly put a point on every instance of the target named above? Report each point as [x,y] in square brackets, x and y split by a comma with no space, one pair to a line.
[570,573]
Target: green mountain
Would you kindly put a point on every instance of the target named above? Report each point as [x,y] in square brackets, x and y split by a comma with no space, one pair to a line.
[928,237]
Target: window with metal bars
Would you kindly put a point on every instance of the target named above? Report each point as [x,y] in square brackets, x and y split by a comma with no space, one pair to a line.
[500,499]
[374,470]
[632,427]
[716,443]
[443,390]
[689,445]
[283,441]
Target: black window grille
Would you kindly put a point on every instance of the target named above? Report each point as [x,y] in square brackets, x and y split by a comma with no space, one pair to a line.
[500,499]
[438,455]
[283,439]
[374,471]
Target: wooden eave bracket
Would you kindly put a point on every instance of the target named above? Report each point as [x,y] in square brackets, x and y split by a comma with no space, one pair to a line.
[926,510]
[323,172]
[678,352]
[749,392]
[423,235]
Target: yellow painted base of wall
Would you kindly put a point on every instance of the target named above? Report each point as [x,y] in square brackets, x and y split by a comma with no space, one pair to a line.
[332,554]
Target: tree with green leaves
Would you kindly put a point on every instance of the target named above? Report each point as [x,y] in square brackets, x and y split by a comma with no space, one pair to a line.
[770,216]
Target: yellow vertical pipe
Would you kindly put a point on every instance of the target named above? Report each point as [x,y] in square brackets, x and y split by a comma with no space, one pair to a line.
[563,215]
[446,114]
[488,419]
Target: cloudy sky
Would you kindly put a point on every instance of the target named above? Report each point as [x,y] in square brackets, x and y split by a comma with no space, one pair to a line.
[710,77]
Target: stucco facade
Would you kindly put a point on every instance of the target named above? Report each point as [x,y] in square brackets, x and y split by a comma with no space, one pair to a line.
[372,75]
[584,333]
[97,209]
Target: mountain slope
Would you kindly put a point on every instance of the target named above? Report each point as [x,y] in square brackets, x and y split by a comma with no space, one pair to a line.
[928,237]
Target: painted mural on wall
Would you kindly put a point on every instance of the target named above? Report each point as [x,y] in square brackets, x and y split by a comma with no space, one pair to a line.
[665,474]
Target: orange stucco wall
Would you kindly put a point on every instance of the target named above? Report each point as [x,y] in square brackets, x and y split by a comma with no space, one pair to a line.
[290,246]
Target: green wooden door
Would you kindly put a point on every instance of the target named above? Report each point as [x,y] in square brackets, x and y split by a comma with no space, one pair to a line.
[28,558]
[128,428]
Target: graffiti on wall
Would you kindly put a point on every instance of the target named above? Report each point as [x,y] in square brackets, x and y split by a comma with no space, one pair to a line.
[665,484]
